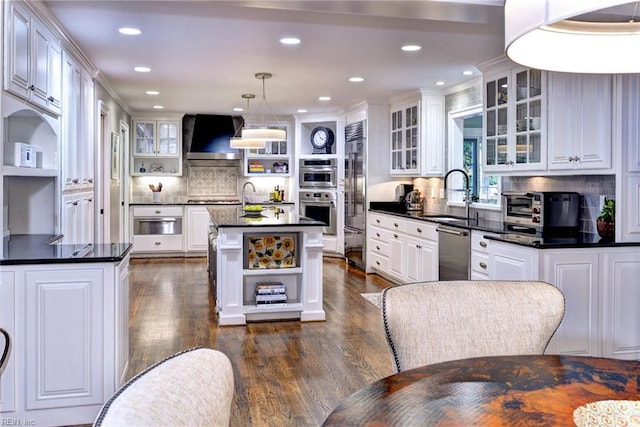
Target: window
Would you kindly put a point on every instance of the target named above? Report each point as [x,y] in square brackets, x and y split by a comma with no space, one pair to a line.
[465,152]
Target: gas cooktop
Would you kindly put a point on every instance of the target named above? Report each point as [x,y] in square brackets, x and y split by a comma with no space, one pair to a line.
[214,201]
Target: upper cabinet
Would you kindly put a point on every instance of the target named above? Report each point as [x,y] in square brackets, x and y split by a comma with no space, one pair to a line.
[77,160]
[32,58]
[156,147]
[514,117]
[580,122]
[417,134]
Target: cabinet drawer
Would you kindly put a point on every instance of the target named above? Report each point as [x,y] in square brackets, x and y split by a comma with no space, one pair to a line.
[422,229]
[378,262]
[157,211]
[379,220]
[378,247]
[480,262]
[479,243]
[398,225]
[157,243]
[380,234]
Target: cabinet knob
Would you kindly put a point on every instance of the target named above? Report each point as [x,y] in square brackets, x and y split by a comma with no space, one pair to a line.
[158,243]
[158,212]
[483,244]
[378,247]
[75,203]
[576,159]
[90,180]
[419,230]
[395,224]
[51,99]
[378,221]
[378,262]
[418,247]
[377,234]
[482,265]
[32,87]
[395,235]
[75,180]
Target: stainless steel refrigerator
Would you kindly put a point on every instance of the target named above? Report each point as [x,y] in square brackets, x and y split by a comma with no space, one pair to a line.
[354,193]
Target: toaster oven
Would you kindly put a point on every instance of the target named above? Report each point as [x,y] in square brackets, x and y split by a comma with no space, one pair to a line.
[548,212]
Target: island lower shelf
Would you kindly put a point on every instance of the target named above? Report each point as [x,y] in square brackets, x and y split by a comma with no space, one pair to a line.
[269,274]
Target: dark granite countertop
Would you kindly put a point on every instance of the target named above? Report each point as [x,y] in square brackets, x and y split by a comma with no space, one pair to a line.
[203,203]
[501,234]
[33,249]
[235,217]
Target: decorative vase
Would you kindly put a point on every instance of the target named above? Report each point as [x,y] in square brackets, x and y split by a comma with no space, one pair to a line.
[606,229]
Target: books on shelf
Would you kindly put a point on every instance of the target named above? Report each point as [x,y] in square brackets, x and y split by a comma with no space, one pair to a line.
[270,293]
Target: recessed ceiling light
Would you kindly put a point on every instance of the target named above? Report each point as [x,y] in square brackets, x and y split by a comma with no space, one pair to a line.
[411,47]
[238,109]
[324,98]
[152,92]
[290,40]
[128,31]
[302,110]
[356,79]
[467,72]
[440,83]
[158,107]
[142,69]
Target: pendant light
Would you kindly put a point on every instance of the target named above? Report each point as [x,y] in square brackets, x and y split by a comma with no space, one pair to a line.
[579,36]
[260,130]
[238,142]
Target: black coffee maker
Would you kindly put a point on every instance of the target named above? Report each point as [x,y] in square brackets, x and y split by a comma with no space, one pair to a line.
[402,192]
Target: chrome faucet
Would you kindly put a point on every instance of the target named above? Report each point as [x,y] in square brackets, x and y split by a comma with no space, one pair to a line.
[244,187]
[467,191]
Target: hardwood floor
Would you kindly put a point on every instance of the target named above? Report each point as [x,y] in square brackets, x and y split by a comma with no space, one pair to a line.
[287,373]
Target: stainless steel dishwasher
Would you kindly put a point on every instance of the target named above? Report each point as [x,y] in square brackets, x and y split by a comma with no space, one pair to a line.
[454,253]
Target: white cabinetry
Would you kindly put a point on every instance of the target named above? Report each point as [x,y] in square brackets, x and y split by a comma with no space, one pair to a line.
[417,134]
[512,262]
[273,160]
[620,302]
[69,324]
[580,122]
[33,59]
[479,255]
[197,228]
[576,274]
[514,117]
[77,168]
[156,147]
[406,250]
[78,218]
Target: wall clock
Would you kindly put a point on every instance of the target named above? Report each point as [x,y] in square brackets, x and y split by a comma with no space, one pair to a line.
[322,138]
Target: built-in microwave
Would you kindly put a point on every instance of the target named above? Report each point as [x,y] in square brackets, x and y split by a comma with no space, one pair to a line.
[548,212]
[318,173]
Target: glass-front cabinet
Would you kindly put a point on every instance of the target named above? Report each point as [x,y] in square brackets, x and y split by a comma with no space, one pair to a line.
[514,120]
[404,139]
[156,147]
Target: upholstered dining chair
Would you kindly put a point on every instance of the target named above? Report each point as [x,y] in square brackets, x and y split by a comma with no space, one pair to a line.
[432,322]
[191,388]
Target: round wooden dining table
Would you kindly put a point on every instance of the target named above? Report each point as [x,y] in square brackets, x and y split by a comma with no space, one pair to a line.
[490,391]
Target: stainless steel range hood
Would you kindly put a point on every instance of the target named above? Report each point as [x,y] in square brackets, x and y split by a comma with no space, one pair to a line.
[208,136]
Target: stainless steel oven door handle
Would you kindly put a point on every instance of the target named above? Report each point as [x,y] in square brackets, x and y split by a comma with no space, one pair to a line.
[157,220]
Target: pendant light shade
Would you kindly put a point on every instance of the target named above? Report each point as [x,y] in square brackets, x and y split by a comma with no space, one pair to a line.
[241,142]
[259,127]
[558,35]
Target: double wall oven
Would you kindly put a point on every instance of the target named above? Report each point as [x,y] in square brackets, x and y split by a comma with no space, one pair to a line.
[321,206]
[318,195]
[318,173]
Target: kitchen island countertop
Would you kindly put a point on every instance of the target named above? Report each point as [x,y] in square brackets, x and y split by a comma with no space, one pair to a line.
[234,216]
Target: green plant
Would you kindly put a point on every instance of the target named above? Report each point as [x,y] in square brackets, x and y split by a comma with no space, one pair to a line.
[608,213]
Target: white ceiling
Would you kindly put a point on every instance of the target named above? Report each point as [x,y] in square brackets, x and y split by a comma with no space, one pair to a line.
[204,54]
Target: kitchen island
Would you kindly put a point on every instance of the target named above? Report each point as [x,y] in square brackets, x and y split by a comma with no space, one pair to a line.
[267,252]
[66,308]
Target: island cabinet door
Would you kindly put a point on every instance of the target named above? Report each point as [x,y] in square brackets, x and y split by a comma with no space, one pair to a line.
[64,337]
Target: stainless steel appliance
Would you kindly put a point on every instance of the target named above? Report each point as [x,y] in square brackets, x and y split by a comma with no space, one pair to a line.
[354,193]
[157,225]
[454,253]
[402,191]
[415,201]
[318,173]
[321,206]
[542,212]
